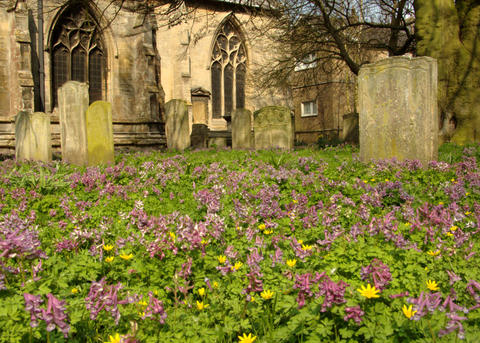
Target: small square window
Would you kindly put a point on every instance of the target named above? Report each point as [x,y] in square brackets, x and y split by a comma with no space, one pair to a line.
[309,108]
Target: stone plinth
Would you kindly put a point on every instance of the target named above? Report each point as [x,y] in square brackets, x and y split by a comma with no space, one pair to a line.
[241,129]
[273,126]
[33,138]
[398,115]
[99,133]
[177,125]
[72,106]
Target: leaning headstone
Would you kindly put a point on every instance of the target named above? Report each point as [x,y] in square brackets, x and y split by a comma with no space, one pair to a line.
[72,105]
[241,128]
[398,114]
[99,133]
[33,138]
[177,125]
[273,126]
[199,136]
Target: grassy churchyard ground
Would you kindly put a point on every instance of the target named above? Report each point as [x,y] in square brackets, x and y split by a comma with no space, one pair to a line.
[235,246]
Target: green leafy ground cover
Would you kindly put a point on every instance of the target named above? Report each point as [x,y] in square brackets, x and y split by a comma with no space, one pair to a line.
[308,246]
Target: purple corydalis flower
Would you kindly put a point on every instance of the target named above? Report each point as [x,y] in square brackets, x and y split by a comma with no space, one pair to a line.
[55,315]
[332,291]
[303,283]
[155,308]
[32,305]
[354,313]
[454,324]
[378,273]
[104,297]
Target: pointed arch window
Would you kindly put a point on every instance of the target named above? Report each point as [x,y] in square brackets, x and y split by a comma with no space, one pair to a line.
[78,53]
[228,71]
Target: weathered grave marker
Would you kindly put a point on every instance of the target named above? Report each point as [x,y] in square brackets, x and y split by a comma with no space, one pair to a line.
[99,130]
[398,115]
[273,126]
[33,138]
[241,129]
[177,125]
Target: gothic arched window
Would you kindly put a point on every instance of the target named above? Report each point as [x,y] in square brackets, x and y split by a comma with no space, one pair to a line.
[78,53]
[228,71]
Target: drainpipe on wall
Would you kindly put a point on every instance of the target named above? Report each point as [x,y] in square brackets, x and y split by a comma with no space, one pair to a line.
[41,61]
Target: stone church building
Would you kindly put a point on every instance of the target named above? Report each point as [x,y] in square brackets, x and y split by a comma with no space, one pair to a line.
[204,52]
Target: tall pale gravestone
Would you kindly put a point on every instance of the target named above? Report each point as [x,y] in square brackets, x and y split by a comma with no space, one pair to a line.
[72,106]
[398,114]
[241,129]
[274,128]
[99,130]
[33,139]
[177,126]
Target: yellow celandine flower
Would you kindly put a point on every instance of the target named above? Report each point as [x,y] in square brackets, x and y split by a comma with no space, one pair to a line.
[295,201]
[172,236]
[306,247]
[108,247]
[268,232]
[386,180]
[267,294]
[142,303]
[291,263]
[238,228]
[237,265]
[114,339]
[201,305]
[261,226]
[434,253]
[468,213]
[221,259]
[109,259]
[454,228]
[215,284]
[449,234]
[407,311]
[440,202]
[75,290]
[201,291]
[204,242]
[141,314]
[300,241]
[246,339]
[252,299]
[467,194]
[372,180]
[432,285]
[369,292]
[126,257]
[365,181]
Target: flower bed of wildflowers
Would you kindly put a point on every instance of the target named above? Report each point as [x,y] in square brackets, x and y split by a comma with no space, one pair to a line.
[222,246]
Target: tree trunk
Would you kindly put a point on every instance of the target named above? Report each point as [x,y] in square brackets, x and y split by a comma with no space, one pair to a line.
[449,31]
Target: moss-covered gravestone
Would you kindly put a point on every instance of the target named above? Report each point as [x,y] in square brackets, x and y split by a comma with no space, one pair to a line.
[33,139]
[99,130]
[273,126]
[177,127]
[72,105]
[241,129]
[398,114]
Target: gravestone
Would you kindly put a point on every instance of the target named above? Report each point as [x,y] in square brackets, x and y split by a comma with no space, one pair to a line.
[350,128]
[33,138]
[177,125]
[72,106]
[274,128]
[99,133]
[199,136]
[241,129]
[398,114]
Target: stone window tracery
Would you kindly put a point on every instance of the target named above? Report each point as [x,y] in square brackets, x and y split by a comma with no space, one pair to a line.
[78,53]
[228,71]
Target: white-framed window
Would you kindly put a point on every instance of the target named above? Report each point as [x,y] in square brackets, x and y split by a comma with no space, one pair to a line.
[306,63]
[309,108]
